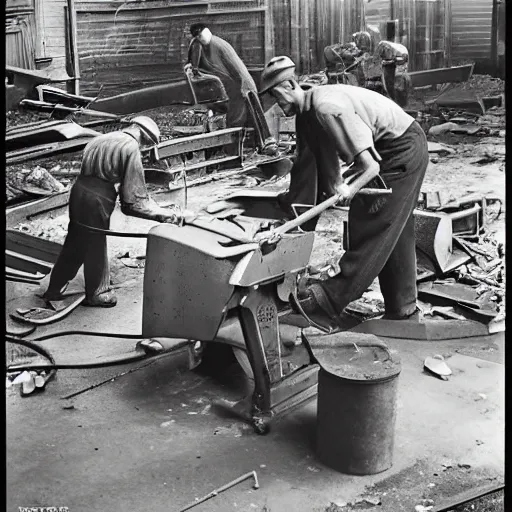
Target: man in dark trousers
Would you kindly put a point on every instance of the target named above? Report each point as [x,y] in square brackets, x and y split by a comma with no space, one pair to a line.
[381,142]
[213,55]
[108,160]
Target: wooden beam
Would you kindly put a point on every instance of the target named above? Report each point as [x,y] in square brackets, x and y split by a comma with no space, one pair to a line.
[40,26]
[305,48]
[269,30]
[447,33]
[295,35]
[73,46]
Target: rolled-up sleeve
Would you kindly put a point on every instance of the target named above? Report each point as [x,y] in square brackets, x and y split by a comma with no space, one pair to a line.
[349,133]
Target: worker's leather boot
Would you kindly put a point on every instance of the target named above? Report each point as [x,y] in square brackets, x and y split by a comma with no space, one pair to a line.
[416,315]
[103,300]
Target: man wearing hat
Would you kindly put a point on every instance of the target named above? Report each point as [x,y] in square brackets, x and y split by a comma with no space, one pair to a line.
[109,160]
[379,141]
[212,54]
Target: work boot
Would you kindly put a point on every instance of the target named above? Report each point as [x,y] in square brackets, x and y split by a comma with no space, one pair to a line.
[416,315]
[103,300]
[270,148]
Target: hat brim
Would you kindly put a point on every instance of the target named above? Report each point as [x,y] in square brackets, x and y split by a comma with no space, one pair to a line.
[280,77]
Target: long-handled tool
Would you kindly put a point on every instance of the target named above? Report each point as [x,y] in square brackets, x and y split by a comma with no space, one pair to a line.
[215,492]
[346,191]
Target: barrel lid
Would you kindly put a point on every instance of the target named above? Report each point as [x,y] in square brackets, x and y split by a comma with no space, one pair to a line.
[354,356]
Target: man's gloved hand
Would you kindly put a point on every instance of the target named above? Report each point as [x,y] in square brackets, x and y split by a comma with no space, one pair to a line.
[175,215]
[190,70]
[346,193]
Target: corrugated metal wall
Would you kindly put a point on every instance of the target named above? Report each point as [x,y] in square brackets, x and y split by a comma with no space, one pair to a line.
[132,45]
[471,29]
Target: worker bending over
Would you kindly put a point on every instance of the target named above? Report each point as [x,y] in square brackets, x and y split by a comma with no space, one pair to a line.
[377,137]
[109,159]
[212,54]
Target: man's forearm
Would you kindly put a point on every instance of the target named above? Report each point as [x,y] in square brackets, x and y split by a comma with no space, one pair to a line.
[194,55]
[149,212]
[359,177]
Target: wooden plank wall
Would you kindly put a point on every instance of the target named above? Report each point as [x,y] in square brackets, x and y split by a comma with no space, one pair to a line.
[135,45]
[281,10]
[471,30]
[328,27]
[52,31]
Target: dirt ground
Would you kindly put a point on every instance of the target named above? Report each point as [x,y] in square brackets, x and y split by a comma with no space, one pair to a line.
[470,164]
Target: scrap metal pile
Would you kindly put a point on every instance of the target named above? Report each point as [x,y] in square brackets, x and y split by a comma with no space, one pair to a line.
[461,267]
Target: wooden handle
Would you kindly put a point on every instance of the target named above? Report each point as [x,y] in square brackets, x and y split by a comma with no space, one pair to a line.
[320,208]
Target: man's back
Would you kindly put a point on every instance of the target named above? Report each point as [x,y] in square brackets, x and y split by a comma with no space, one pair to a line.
[383,116]
[220,58]
[107,156]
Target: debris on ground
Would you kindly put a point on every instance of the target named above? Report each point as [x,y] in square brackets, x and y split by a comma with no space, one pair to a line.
[437,366]
[30,182]
[29,381]
[234,429]
[363,502]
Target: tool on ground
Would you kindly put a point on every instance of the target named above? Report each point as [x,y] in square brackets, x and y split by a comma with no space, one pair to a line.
[215,492]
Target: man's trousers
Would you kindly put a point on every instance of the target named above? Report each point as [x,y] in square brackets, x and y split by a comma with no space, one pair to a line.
[381,231]
[91,203]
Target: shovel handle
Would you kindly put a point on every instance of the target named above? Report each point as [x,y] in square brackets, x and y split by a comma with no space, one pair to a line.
[320,208]
[191,85]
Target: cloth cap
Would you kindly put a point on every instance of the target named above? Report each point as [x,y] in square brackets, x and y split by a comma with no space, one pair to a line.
[148,127]
[278,69]
[197,28]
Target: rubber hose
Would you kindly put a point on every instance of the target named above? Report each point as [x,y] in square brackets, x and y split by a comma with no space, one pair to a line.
[108,232]
[87,333]
[54,366]
[41,351]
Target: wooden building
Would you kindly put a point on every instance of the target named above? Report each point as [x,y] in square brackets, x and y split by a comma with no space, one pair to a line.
[122,44]
[119,45]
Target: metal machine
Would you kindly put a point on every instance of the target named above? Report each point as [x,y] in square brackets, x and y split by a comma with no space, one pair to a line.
[210,281]
[233,268]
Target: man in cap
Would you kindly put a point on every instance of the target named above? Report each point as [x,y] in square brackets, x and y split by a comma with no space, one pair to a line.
[109,160]
[382,144]
[212,54]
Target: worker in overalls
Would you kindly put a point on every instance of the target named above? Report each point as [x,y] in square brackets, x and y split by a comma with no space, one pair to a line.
[385,146]
[213,55]
[110,162]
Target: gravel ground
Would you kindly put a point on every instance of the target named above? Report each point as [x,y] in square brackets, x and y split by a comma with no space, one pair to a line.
[492,503]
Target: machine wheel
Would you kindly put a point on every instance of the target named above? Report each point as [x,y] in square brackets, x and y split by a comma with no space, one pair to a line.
[261,424]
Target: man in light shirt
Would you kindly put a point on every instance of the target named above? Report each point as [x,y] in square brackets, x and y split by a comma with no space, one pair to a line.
[379,140]
[109,160]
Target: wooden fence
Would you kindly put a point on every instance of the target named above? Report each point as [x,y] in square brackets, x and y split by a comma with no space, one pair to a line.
[121,47]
